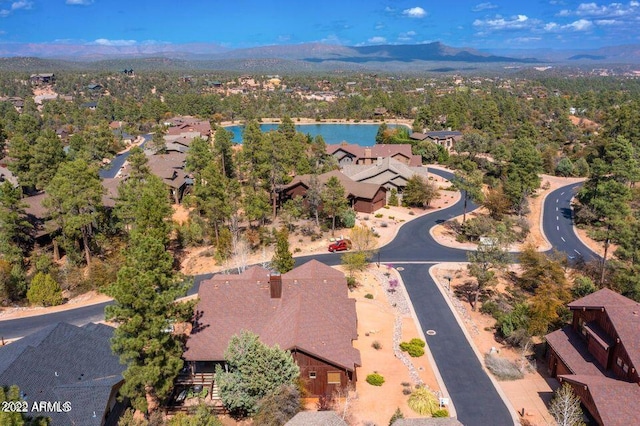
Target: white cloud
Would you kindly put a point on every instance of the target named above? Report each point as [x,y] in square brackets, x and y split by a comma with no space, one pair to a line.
[518,22]
[483,6]
[379,26]
[415,12]
[107,42]
[606,22]
[16,5]
[377,39]
[79,2]
[579,25]
[596,10]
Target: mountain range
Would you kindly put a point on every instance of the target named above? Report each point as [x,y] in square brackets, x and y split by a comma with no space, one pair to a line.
[302,57]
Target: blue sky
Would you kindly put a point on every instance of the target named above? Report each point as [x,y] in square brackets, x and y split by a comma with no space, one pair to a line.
[249,23]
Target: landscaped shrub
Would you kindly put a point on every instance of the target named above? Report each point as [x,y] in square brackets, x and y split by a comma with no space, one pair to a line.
[376,345]
[502,368]
[443,412]
[352,283]
[417,342]
[375,379]
[368,296]
[423,402]
[393,198]
[378,215]
[415,347]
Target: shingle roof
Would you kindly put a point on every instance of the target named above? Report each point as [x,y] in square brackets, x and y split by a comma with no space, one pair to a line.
[352,188]
[616,401]
[623,313]
[573,351]
[64,362]
[314,314]
[377,150]
[383,172]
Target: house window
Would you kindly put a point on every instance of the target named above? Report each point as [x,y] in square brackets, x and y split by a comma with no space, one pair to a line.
[333,378]
[619,362]
[312,374]
[625,368]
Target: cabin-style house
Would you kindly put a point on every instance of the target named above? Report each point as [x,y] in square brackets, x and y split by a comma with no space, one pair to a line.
[599,356]
[348,154]
[306,311]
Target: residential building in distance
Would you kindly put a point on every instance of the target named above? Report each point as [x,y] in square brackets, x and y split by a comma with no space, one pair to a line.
[347,154]
[306,311]
[387,172]
[65,363]
[599,355]
[362,197]
[445,138]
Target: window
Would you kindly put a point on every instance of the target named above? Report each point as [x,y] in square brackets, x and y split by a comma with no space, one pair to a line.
[312,374]
[333,378]
[625,368]
[619,362]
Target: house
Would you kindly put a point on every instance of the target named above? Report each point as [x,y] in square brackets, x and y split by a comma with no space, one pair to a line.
[45,78]
[306,311]
[346,154]
[599,355]
[387,172]
[63,362]
[7,176]
[90,105]
[363,197]
[444,138]
[170,168]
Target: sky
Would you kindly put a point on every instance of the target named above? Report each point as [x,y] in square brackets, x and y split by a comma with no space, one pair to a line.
[558,24]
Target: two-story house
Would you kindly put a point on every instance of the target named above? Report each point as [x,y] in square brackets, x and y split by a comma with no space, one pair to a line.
[599,355]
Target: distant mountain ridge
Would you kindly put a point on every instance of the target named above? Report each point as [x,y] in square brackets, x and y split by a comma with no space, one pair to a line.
[436,57]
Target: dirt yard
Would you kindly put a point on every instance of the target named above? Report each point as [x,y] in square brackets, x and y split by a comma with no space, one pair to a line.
[534,391]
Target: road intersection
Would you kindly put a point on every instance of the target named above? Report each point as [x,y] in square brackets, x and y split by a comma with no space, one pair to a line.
[476,399]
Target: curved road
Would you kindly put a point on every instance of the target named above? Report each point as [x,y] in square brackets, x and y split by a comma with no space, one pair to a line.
[476,400]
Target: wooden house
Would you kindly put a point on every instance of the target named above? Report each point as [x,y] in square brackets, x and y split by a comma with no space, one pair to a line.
[599,355]
[362,197]
[445,138]
[306,311]
[348,154]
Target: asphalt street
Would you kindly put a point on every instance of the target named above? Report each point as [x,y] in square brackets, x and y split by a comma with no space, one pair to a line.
[476,400]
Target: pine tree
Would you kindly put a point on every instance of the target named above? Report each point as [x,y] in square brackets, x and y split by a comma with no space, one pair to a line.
[14,227]
[145,308]
[334,200]
[282,260]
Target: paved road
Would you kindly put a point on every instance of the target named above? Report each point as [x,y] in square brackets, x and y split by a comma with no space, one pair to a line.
[118,161]
[475,398]
[557,224]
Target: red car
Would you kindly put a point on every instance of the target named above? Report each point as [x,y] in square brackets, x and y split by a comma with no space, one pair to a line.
[340,245]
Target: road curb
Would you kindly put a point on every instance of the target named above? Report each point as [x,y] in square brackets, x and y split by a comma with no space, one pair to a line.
[496,385]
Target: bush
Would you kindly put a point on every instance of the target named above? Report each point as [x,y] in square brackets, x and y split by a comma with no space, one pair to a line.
[376,345]
[44,290]
[352,283]
[443,412]
[415,347]
[279,407]
[423,402]
[384,225]
[502,368]
[375,379]
[417,342]
[393,198]
[378,215]
[368,296]
[348,218]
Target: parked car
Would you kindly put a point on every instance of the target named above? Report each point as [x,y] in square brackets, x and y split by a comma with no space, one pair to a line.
[340,245]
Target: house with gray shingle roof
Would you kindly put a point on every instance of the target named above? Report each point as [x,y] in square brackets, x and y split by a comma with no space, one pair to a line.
[306,311]
[599,356]
[388,172]
[65,363]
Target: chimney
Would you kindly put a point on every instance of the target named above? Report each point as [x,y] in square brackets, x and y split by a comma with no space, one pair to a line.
[367,153]
[275,285]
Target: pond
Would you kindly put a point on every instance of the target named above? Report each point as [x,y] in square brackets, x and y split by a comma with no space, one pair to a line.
[333,133]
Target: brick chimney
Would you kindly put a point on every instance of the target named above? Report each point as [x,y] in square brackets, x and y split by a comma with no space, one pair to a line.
[275,285]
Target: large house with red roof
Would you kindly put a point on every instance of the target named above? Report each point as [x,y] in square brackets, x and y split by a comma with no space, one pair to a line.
[599,356]
[306,311]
